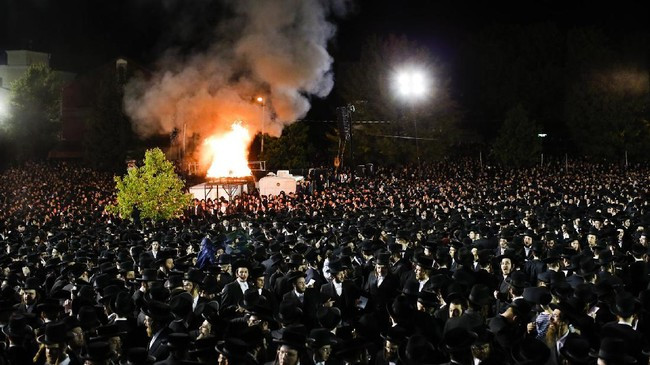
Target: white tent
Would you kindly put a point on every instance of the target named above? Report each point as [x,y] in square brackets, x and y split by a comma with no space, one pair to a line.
[273,185]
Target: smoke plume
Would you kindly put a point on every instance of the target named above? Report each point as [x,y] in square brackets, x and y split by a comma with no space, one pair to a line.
[275,49]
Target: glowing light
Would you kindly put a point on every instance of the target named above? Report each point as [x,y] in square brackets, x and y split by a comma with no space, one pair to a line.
[412,83]
[230,152]
[260,99]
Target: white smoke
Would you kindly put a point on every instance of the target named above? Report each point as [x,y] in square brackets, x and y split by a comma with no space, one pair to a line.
[276,49]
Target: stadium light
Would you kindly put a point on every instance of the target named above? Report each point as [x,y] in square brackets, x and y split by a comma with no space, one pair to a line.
[412,84]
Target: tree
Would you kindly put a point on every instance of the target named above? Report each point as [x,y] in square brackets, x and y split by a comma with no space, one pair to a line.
[369,85]
[291,150]
[109,133]
[517,144]
[35,112]
[153,189]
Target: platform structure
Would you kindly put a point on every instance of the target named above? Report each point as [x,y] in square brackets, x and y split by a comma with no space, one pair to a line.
[216,188]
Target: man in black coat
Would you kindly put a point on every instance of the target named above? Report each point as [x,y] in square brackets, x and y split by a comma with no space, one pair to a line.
[340,293]
[381,285]
[158,317]
[233,292]
[625,311]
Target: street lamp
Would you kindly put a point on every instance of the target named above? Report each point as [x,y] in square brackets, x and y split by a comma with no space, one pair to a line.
[412,84]
[261,101]
[542,136]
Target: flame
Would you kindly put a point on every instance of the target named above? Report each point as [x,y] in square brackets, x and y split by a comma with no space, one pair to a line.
[230,152]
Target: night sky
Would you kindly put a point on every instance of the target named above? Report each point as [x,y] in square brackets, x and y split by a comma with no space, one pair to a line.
[82,34]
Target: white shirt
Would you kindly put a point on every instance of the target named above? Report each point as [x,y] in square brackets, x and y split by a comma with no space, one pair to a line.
[243,285]
[338,287]
[301,296]
[195,302]
[155,336]
[380,279]
[422,283]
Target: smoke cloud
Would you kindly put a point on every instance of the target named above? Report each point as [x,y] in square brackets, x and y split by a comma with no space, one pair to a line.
[276,49]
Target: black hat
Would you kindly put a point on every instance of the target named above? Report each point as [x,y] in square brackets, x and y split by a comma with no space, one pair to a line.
[87,316]
[288,313]
[530,351]
[250,299]
[613,349]
[383,259]
[427,298]
[292,338]
[98,351]
[424,262]
[123,304]
[181,304]
[55,333]
[178,340]
[576,349]
[148,275]
[328,317]
[108,331]
[294,275]
[537,295]
[458,339]
[319,337]
[235,350]
[194,275]
[158,310]
[517,279]
[480,295]
[395,334]
[139,356]
[626,305]
[17,327]
[336,266]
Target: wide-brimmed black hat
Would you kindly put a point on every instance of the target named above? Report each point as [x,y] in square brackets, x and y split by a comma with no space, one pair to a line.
[148,275]
[17,327]
[158,310]
[234,349]
[251,298]
[458,339]
[480,295]
[576,349]
[319,337]
[97,351]
[530,351]
[294,275]
[517,279]
[626,305]
[614,350]
[138,356]
[537,295]
[107,331]
[122,305]
[55,333]
[292,338]
[328,317]
[288,313]
[194,275]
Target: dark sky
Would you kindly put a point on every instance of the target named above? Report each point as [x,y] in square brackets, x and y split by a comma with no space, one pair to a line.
[81,33]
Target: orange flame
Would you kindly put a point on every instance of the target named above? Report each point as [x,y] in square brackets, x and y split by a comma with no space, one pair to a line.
[230,153]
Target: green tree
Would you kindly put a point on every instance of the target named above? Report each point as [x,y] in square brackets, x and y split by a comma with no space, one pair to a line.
[35,112]
[369,85]
[154,189]
[517,144]
[109,134]
[291,150]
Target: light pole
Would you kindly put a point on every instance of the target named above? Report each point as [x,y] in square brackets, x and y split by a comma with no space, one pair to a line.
[542,136]
[411,85]
[261,101]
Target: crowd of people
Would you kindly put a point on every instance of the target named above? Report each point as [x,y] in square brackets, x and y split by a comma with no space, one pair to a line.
[453,264]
